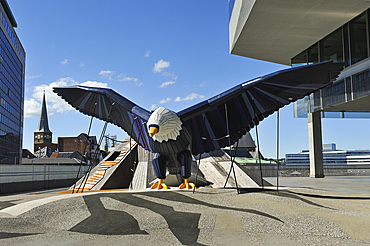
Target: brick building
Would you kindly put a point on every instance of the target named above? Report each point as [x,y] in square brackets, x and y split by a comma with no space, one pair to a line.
[81,143]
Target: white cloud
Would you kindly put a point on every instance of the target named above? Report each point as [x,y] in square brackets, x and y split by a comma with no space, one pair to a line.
[33,76]
[190,97]
[107,73]
[165,84]
[172,75]
[64,62]
[147,54]
[202,84]
[82,64]
[123,77]
[165,100]
[54,103]
[154,106]
[32,108]
[160,66]
[94,84]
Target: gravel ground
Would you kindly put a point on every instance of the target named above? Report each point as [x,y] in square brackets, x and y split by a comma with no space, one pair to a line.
[295,216]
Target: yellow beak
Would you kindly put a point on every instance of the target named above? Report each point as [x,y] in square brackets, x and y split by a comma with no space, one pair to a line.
[153,130]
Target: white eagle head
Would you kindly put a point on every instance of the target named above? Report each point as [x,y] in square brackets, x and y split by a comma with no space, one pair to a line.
[163,124]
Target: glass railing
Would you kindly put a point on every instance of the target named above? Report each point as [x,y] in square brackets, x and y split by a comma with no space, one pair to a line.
[343,91]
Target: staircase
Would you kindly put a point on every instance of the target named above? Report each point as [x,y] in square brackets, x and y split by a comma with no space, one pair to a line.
[99,173]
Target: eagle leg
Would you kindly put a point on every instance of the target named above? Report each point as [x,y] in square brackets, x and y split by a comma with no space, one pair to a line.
[187,185]
[159,185]
[185,160]
[159,165]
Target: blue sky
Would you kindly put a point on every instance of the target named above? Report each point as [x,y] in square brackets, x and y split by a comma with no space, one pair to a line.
[156,53]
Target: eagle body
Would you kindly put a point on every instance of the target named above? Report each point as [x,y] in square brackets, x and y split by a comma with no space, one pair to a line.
[209,125]
[174,142]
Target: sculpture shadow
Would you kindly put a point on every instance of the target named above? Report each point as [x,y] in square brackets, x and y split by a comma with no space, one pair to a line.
[287,194]
[7,204]
[183,225]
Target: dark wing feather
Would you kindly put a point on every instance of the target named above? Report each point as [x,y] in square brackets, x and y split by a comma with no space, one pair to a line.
[107,105]
[249,103]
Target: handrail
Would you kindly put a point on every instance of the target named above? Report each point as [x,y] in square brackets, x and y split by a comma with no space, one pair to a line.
[132,146]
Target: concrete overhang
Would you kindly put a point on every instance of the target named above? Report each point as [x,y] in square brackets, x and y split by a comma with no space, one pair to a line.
[277,30]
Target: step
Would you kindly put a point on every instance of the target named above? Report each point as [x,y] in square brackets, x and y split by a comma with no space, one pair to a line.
[93,180]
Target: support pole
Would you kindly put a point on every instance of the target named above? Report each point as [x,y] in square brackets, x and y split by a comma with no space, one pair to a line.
[259,157]
[277,149]
[85,144]
[232,160]
[315,145]
[84,180]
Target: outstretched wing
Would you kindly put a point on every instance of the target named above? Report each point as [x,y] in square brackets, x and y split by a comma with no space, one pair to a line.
[237,110]
[109,106]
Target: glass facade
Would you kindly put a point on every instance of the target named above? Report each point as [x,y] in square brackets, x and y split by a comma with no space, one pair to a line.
[351,88]
[349,44]
[12,67]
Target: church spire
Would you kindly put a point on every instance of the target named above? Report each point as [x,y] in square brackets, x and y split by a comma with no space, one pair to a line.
[43,123]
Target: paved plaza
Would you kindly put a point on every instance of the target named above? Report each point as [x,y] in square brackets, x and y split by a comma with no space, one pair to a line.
[296,215]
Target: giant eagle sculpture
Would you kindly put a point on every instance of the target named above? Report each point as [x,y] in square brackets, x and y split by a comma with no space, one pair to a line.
[206,126]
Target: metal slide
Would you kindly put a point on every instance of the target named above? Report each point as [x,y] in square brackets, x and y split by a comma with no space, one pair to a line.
[100,174]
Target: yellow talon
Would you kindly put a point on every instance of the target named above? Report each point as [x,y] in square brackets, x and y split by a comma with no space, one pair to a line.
[187,185]
[159,185]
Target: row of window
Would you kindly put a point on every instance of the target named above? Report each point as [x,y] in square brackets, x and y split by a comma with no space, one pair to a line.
[348,44]
[43,136]
[8,50]
[10,73]
[8,122]
[9,138]
[9,108]
[15,82]
[345,90]
[13,36]
[11,95]
[348,89]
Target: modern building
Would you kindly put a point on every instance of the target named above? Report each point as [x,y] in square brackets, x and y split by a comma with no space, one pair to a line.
[298,32]
[331,157]
[12,70]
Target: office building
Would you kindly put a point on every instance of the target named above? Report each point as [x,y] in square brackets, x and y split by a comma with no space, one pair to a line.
[298,32]
[331,157]
[12,69]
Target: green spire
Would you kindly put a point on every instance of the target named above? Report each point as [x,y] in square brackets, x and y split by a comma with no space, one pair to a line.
[43,123]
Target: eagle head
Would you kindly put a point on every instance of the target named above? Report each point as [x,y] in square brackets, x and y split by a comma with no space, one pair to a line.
[163,124]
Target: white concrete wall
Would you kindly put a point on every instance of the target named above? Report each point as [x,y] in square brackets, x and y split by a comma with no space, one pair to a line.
[26,173]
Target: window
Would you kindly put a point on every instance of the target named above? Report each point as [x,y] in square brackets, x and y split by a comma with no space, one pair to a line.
[313,54]
[299,59]
[331,47]
[358,37]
